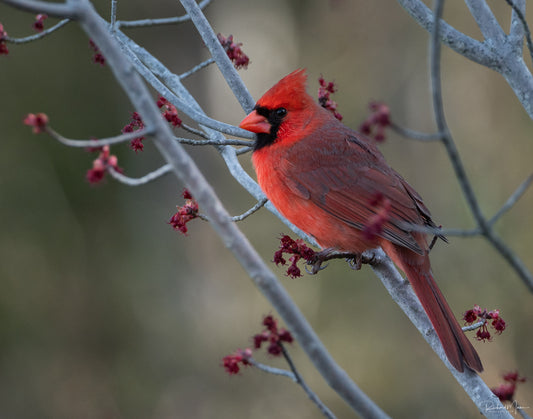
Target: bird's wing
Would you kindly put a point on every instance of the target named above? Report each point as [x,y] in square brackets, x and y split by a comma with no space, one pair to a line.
[346,176]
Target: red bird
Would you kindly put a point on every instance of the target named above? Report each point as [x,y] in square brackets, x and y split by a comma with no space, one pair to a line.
[328,180]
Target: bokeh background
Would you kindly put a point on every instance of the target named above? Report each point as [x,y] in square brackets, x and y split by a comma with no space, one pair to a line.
[106,312]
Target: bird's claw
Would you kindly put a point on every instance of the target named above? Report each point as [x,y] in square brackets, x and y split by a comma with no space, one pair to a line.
[316,263]
[315,267]
[355,262]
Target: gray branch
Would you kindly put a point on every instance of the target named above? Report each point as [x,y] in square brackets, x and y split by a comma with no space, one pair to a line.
[37,36]
[499,52]
[98,142]
[149,177]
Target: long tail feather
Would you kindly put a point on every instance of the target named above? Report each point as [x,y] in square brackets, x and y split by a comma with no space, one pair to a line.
[457,346]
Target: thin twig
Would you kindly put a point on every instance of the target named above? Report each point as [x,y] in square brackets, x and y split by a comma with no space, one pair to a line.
[517,194]
[310,393]
[255,208]
[149,177]
[474,326]
[520,409]
[161,21]
[244,150]
[241,217]
[194,131]
[99,142]
[415,135]
[40,35]
[196,68]
[272,370]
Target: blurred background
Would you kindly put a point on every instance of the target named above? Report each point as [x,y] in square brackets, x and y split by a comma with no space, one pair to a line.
[106,312]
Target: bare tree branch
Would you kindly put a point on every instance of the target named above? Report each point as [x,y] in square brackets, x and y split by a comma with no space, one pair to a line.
[501,55]
[513,199]
[520,16]
[98,142]
[460,172]
[40,35]
[486,21]
[252,210]
[161,21]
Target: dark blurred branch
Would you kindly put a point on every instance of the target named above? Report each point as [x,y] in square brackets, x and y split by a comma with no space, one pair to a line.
[415,135]
[294,376]
[299,379]
[483,225]
[513,199]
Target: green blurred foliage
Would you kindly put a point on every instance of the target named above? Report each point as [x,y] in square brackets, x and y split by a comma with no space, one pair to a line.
[107,312]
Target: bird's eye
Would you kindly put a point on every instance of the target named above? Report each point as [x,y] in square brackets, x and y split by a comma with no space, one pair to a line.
[280,112]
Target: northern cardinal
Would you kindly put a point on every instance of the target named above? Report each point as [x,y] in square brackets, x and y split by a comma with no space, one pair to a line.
[326,179]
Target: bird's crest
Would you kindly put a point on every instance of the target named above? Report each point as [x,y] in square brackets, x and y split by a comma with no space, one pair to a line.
[289,92]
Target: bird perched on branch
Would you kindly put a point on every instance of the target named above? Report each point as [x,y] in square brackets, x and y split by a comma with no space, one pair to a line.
[334,184]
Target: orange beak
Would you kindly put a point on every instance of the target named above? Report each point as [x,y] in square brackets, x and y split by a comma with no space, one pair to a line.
[255,123]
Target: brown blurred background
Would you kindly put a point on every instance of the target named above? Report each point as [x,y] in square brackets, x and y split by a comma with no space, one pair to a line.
[106,312]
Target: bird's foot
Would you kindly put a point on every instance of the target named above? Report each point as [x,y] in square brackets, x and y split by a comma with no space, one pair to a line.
[355,260]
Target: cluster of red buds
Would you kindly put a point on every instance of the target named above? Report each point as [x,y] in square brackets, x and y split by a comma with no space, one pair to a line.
[38,25]
[479,314]
[272,334]
[379,119]
[381,206]
[185,213]
[37,121]
[298,249]
[170,113]
[3,46]
[136,124]
[98,58]
[325,90]
[240,356]
[505,391]
[104,161]
[234,51]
